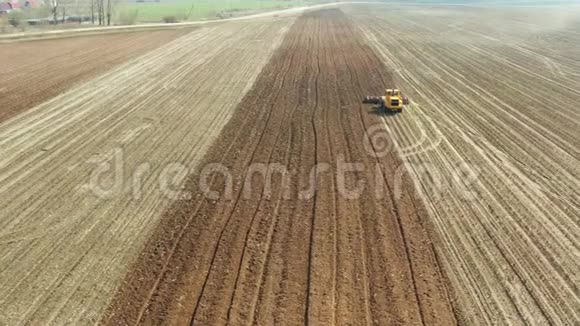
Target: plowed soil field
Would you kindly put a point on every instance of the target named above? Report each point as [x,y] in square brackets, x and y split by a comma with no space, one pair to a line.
[492,138]
[302,246]
[79,173]
[33,72]
[229,174]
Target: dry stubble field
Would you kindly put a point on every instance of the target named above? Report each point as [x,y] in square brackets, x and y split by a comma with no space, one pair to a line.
[64,247]
[494,94]
[33,72]
[284,256]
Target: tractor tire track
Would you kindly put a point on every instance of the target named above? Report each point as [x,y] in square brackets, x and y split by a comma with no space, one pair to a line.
[156,114]
[509,252]
[316,256]
[33,72]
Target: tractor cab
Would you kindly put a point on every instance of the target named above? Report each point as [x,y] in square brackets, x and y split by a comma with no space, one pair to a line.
[393,100]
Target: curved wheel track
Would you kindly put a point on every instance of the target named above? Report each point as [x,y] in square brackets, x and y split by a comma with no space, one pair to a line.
[499,107]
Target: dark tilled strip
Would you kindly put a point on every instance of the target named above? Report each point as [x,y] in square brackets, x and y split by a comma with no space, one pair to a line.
[276,257]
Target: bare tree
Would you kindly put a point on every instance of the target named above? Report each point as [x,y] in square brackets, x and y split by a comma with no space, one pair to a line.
[93,12]
[109,12]
[100,11]
[102,14]
[56,8]
[53,6]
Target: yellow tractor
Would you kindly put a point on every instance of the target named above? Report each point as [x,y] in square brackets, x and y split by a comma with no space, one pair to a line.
[393,101]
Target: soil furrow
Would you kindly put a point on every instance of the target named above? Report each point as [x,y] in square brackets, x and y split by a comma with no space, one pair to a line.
[33,72]
[147,117]
[480,88]
[306,250]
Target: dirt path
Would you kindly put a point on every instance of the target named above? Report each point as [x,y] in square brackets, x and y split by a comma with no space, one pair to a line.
[33,72]
[307,249]
[85,176]
[494,98]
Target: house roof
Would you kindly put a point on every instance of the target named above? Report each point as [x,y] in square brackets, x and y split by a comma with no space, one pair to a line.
[10,4]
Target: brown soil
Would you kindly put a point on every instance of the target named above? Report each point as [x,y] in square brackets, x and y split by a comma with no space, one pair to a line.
[64,248]
[33,72]
[494,117]
[278,257]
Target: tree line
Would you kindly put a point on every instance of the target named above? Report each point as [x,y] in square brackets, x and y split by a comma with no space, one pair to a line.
[100,11]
